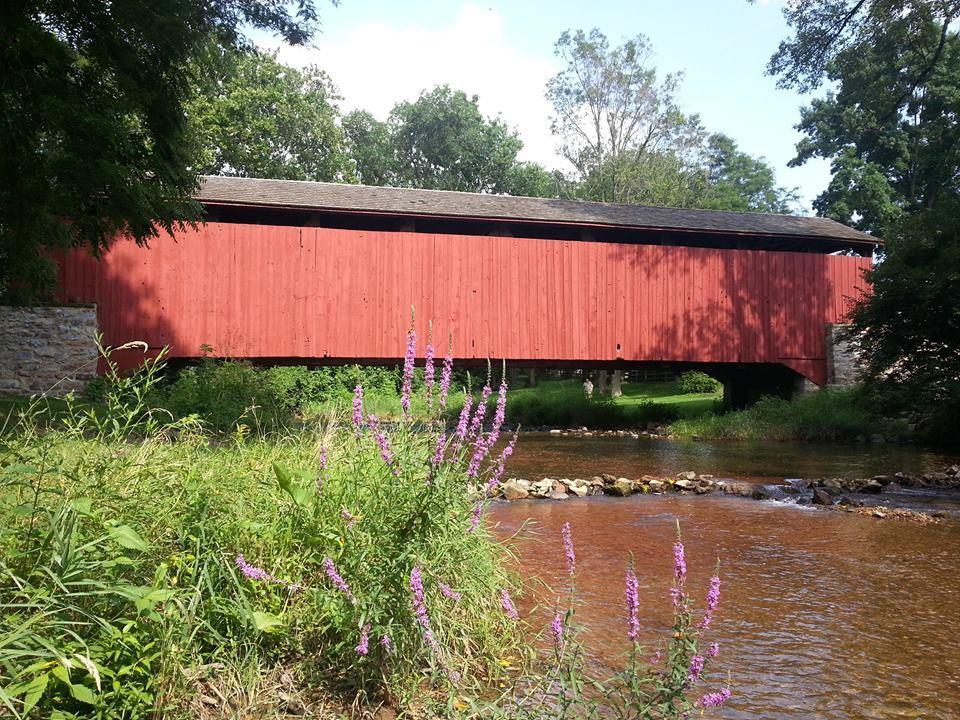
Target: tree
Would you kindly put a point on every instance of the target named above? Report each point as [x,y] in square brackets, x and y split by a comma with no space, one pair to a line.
[908,334]
[740,182]
[531,179]
[258,118]
[371,147]
[612,112]
[890,128]
[442,141]
[94,140]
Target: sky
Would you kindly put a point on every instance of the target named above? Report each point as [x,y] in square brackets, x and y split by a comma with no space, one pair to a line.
[379,52]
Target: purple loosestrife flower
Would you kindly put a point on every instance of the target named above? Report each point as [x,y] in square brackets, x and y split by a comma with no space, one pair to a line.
[696,667]
[408,360]
[449,592]
[567,535]
[429,372]
[357,409]
[475,516]
[252,571]
[438,453]
[476,425]
[679,562]
[387,644]
[713,600]
[363,647]
[350,518]
[497,473]
[461,432]
[508,607]
[383,442]
[713,650]
[633,604]
[556,627]
[338,582]
[714,699]
[479,453]
[446,375]
[423,619]
[499,414]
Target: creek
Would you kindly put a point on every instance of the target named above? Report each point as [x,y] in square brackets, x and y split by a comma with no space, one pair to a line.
[823,614]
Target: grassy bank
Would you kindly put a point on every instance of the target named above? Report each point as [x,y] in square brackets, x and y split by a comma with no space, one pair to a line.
[152,566]
[826,415]
[562,403]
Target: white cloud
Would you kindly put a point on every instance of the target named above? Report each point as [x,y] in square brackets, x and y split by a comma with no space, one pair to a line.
[375,65]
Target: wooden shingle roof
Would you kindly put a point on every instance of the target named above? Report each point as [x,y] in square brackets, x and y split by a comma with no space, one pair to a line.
[338,197]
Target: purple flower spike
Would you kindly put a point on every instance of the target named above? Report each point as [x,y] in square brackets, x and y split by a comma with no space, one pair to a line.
[476,425]
[363,647]
[633,604]
[387,644]
[497,473]
[713,650]
[449,592]
[475,515]
[696,667]
[556,627]
[679,562]
[383,442]
[446,375]
[713,600]
[439,452]
[252,571]
[429,372]
[568,549]
[357,409]
[338,582]
[714,699]
[407,386]
[508,607]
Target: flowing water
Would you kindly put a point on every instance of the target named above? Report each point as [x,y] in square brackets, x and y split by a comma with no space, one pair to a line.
[823,614]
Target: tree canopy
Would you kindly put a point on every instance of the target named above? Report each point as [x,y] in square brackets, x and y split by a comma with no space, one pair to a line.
[259,118]
[92,122]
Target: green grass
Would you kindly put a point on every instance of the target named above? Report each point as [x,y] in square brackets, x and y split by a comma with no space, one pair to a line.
[561,403]
[825,415]
[119,536]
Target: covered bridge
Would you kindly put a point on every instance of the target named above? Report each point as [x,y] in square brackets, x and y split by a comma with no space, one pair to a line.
[305,272]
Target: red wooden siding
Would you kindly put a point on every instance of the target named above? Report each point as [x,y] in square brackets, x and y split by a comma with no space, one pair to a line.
[288,292]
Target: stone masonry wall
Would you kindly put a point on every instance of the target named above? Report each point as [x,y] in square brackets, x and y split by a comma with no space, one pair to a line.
[47,349]
[842,361]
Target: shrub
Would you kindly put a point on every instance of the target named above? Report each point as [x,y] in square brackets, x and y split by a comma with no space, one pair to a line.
[696,382]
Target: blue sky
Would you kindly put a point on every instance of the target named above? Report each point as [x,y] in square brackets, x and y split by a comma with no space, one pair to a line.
[379,52]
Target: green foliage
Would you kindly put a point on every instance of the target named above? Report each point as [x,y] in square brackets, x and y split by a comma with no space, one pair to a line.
[94,128]
[908,332]
[825,415]
[889,129]
[694,381]
[563,404]
[124,595]
[371,148]
[623,131]
[254,117]
[226,394]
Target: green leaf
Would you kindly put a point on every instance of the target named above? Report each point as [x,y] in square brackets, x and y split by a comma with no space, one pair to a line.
[83,694]
[83,505]
[265,622]
[127,537]
[296,485]
[35,692]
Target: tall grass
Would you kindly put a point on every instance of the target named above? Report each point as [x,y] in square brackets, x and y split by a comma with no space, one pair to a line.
[825,415]
[122,590]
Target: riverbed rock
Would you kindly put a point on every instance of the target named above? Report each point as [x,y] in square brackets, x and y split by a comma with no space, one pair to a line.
[579,488]
[845,501]
[620,487]
[514,489]
[558,495]
[821,497]
[834,486]
[741,489]
[953,470]
[893,488]
[655,485]
[761,492]
[685,484]
[872,486]
[687,475]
